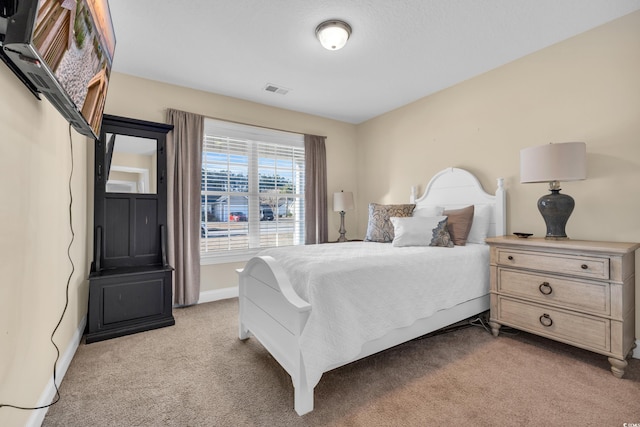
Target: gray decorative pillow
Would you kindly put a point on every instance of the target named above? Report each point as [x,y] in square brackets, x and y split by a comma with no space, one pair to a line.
[380,228]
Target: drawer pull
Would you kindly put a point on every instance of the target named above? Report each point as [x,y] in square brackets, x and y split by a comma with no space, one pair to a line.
[584,266]
[545,288]
[510,258]
[545,320]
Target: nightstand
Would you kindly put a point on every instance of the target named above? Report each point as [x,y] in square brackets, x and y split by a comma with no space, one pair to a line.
[578,292]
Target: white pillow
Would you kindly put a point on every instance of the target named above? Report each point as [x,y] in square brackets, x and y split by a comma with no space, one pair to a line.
[421,231]
[430,211]
[480,226]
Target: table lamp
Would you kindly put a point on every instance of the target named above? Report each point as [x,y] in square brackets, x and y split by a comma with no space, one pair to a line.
[342,201]
[554,163]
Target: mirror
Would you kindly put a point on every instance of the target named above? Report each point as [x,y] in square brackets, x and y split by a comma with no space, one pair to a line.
[132,164]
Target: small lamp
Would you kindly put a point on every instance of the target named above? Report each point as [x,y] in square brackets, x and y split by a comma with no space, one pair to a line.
[333,34]
[553,163]
[342,202]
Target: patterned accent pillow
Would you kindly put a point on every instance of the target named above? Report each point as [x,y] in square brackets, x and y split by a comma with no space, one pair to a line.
[421,231]
[441,236]
[380,228]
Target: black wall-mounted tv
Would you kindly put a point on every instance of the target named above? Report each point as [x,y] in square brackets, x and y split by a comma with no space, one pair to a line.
[64,50]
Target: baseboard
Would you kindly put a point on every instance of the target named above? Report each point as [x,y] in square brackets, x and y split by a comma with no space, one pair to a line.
[218,294]
[636,351]
[37,416]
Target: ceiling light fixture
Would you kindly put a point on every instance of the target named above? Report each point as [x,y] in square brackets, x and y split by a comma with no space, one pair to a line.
[333,34]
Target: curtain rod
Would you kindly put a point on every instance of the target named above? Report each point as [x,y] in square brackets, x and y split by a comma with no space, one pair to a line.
[257,126]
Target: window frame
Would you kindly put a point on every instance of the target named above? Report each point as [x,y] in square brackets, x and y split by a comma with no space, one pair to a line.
[254,135]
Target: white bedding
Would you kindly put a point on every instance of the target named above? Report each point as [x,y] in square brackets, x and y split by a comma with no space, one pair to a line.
[359,291]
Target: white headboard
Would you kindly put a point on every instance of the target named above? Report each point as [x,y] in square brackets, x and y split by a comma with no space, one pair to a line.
[455,188]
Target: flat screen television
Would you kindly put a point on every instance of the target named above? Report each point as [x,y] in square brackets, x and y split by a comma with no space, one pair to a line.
[62,49]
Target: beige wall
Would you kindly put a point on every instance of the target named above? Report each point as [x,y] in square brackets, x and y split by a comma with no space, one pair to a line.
[148,100]
[34,234]
[584,89]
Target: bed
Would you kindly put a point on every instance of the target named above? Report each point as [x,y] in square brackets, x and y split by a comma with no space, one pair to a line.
[296,301]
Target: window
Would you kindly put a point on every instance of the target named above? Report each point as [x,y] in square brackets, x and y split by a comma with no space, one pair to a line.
[252,189]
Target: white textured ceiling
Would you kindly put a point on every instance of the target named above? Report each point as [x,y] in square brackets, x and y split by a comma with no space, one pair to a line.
[400,50]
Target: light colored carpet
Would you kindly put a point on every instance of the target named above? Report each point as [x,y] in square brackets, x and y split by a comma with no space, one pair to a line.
[197,373]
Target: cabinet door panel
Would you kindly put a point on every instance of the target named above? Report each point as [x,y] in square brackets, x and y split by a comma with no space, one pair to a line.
[116,233]
[147,235]
[126,301]
[122,301]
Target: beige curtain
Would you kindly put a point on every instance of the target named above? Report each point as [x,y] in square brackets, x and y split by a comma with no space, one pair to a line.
[315,190]
[184,169]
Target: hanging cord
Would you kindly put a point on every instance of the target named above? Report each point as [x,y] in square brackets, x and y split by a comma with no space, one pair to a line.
[66,303]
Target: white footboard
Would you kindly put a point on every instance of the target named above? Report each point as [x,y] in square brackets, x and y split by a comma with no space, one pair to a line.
[274,313]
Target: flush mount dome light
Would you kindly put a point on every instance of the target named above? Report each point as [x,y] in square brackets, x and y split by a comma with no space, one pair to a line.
[333,34]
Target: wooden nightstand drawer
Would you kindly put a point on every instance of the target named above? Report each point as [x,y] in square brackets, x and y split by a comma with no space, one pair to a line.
[593,297]
[592,267]
[578,329]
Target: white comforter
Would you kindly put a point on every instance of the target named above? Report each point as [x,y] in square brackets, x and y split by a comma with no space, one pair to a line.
[359,291]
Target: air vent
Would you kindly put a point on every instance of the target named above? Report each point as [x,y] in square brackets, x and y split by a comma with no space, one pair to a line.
[276,89]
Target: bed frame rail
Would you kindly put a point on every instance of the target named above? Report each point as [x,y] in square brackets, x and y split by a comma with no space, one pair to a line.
[273,312]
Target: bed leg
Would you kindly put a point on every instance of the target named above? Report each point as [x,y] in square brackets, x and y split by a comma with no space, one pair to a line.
[243,333]
[302,393]
[302,399]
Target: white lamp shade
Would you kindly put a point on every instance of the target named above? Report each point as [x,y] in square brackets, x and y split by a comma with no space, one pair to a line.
[343,201]
[565,161]
[333,35]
